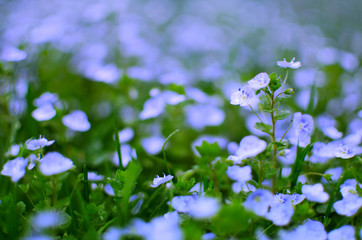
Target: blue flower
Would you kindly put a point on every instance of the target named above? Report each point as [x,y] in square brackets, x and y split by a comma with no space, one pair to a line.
[315,193]
[301,130]
[345,152]
[280,213]
[12,54]
[34,144]
[259,201]
[44,113]
[291,64]
[54,163]
[345,232]
[259,81]
[239,174]
[15,168]
[243,96]
[249,146]
[311,229]
[204,207]
[48,219]
[77,121]
[351,202]
[157,181]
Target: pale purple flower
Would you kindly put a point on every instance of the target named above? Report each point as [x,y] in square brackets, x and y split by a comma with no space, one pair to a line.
[243,96]
[183,204]
[249,146]
[301,130]
[12,54]
[242,186]
[15,168]
[46,98]
[109,190]
[291,64]
[127,153]
[199,116]
[204,207]
[157,181]
[280,213]
[125,135]
[77,121]
[48,219]
[315,193]
[259,201]
[343,233]
[335,172]
[239,174]
[44,113]
[345,152]
[34,144]
[309,230]
[294,199]
[54,163]
[153,145]
[348,206]
[259,81]
[93,176]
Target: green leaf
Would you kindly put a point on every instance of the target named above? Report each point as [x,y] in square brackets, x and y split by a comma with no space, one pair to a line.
[328,177]
[274,83]
[209,150]
[282,114]
[177,88]
[263,127]
[311,99]
[20,207]
[298,164]
[283,98]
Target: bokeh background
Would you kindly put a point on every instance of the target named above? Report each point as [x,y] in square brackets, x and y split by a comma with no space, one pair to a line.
[164,65]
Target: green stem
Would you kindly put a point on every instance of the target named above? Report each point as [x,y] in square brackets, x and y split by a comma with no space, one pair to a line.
[118,144]
[275,164]
[86,186]
[285,79]
[164,152]
[256,114]
[54,191]
[286,132]
[314,173]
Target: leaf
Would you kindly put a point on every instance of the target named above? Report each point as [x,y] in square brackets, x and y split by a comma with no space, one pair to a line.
[263,127]
[209,150]
[282,114]
[177,88]
[311,99]
[274,83]
[283,98]
[328,177]
[297,166]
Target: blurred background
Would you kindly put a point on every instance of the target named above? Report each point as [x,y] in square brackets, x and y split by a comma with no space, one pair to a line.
[157,66]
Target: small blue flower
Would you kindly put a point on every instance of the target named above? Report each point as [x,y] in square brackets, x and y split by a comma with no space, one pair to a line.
[44,113]
[301,130]
[34,144]
[345,232]
[315,193]
[259,201]
[15,168]
[54,163]
[48,219]
[249,146]
[309,230]
[239,174]
[259,81]
[157,181]
[77,121]
[243,96]
[280,213]
[291,64]
[12,54]
[204,207]
[345,152]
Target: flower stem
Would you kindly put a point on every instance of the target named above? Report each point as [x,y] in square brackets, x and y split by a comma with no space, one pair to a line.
[275,164]
[286,132]
[256,114]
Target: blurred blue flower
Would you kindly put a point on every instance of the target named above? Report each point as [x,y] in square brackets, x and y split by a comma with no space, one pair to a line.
[152,145]
[93,176]
[351,202]
[15,168]
[183,204]
[259,201]
[48,219]
[335,172]
[125,135]
[259,81]
[46,98]
[44,113]
[109,190]
[311,230]
[208,236]
[127,152]
[243,96]
[293,199]
[204,207]
[345,232]
[77,121]
[54,163]
[345,152]
[12,54]
[315,193]
[34,144]
[239,174]
[291,64]
[301,130]
[280,213]
[157,181]
[249,146]
[242,186]
[199,116]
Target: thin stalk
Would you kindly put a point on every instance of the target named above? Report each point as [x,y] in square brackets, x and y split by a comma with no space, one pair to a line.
[54,191]
[275,164]
[256,114]
[285,79]
[164,152]
[118,144]
[216,185]
[314,173]
[286,132]
[86,186]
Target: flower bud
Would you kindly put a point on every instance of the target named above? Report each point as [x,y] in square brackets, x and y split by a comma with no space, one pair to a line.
[289,91]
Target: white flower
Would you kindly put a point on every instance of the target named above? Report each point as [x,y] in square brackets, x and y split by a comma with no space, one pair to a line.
[315,193]
[34,144]
[157,181]
[54,163]
[243,96]
[291,64]
[259,81]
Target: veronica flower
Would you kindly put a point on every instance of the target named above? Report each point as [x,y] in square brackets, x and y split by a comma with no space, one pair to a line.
[294,199]
[199,116]
[335,172]
[12,54]
[280,213]
[77,121]
[183,204]
[157,181]
[125,135]
[301,130]
[34,144]
[351,202]
[250,146]
[243,96]
[48,219]
[291,64]
[345,152]
[44,113]
[309,230]
[259,81]
[315,193]
[345,232]
[93,176]
[15,168]
[54,163]
[239,174]
[152,145]
[46,98]
[242,186]
[204,207]
[259,201]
